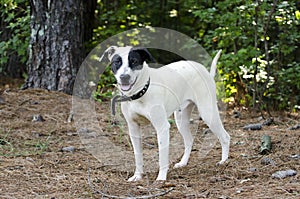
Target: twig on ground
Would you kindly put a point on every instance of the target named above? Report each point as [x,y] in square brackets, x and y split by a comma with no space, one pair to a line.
[95,190]
[24,101]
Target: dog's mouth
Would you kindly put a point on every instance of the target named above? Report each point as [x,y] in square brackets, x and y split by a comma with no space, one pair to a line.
[127,87]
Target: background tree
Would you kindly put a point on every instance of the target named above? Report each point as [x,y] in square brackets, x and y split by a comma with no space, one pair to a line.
[56,48]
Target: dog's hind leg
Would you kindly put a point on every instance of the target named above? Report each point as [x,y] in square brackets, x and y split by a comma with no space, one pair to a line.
[159,120]
[212,118]
[182,119]
[218,129]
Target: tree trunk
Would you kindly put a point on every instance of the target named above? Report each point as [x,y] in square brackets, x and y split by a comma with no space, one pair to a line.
[56,47]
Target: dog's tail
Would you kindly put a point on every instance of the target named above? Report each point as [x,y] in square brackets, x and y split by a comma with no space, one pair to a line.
[213,67]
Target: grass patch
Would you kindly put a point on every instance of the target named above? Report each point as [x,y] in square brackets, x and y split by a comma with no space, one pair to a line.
[12,145]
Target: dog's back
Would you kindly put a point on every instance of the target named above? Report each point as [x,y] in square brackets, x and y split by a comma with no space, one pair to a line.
[186,75]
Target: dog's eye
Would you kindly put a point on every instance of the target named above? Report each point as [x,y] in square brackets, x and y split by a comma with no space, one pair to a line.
[116,65]
[134,61]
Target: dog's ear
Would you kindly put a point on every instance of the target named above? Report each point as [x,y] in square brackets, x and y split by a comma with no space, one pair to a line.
[108,53]
[145,54]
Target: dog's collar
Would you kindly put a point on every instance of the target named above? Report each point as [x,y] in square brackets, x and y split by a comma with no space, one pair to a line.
[123,98]
[141,92]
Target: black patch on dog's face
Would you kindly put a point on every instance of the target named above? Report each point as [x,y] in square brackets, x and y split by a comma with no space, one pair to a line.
[135,61]
[137,56]
[116,63]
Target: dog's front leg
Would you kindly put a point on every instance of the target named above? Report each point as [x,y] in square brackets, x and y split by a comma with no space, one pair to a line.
[159,120]
[136,140]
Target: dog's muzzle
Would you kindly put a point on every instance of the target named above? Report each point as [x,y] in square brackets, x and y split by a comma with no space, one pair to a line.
[125,84]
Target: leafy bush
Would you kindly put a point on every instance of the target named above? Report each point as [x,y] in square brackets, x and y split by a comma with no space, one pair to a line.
[105,86]
[260,40]
[15,30]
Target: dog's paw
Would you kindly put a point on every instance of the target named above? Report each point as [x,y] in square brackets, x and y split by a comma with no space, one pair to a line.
[161,179]
[135,177]
[162,175]
[179,165]
[222,162]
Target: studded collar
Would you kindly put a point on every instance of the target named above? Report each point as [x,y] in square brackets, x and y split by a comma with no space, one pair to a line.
[123,98]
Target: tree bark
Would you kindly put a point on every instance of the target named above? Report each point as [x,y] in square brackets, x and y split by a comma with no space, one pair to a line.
[56,47]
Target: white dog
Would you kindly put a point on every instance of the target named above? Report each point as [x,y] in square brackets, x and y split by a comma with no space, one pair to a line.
[157,93]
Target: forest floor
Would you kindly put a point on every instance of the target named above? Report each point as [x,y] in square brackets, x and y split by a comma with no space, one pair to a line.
[47,158]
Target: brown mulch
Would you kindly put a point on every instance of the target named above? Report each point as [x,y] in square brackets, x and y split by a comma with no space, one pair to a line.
[33,164]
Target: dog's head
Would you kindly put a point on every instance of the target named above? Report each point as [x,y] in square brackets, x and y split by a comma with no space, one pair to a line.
[127,64]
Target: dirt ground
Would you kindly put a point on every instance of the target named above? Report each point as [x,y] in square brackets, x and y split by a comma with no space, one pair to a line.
[35,163]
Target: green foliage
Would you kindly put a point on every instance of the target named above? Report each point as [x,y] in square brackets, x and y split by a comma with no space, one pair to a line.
[260,61]
[260,41]
[115,16]
[15,17]
[105,86]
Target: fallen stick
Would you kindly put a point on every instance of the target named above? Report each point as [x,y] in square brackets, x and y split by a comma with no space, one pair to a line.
[266,144]
[119,197]
[253,127]
[284,174]
[295,127]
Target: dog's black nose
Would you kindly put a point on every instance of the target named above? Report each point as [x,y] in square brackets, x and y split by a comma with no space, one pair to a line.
[125,78]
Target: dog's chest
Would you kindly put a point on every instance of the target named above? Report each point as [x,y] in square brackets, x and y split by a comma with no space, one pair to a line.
[137,110]
[138,107]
